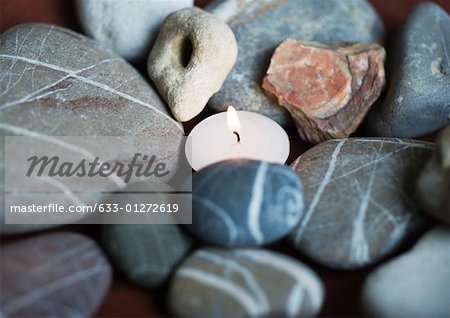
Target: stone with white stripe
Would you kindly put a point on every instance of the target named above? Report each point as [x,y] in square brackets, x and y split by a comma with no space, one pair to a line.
[244,283]
[245,203]
[53,275]
[414,284]
[54,81]
[145,253]
[359,199]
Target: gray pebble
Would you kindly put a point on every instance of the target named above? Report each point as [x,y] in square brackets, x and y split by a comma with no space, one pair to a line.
[415,284]
[418,98]
[58,82]
[244,283]
[53,275]
[245,203]
[359,199]
[433,185]
[128,27]
[145,253]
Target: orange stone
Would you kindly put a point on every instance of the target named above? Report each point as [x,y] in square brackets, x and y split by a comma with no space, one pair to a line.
[327,90]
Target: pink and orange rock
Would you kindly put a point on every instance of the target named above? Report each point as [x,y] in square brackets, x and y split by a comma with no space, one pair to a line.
[327,90]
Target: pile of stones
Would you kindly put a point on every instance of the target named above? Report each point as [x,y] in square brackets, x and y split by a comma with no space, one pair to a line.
[346,203]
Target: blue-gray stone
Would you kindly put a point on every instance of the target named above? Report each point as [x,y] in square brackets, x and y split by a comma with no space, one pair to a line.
[418,99]
[245,203]
[244,283]
[145,253]
[359,199]
[260,26]
[53,275]
[433,184]
[418,280]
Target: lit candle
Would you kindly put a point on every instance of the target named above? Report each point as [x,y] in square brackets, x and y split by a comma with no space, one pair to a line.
[233,134]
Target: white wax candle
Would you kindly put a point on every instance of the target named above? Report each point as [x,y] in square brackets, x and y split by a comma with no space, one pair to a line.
[216,139]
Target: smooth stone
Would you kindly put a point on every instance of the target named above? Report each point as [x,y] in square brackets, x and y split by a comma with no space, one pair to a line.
[359,199]
[418,98]
[244,283]
[260,26]
[245,203]
[146,253]
[433,185]
[191,58]
[328,90]
[58,82]
[414,284]
[128,27]
[53,275]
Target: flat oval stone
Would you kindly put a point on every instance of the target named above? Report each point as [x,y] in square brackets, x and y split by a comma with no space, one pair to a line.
[244,283]
[245,203]
[433,184]
[359,199]
[145,253]
[53,275]
[260,26]
[58,82]
[127,27]
[414,284]
[418,97]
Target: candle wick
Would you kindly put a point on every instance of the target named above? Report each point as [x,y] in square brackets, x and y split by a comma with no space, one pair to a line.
[237,136]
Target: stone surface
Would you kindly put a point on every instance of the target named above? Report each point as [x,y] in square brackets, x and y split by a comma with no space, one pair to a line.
[433,185]
[145,253]
[244,283]
[260,26]
[128,27]
[415,284]
[191,58]
[327,90]
[60,83]
[53,275]
[418,98]
[359,199]
[245,203]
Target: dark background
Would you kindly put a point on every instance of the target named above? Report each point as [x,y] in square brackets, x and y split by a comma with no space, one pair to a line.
[127,300]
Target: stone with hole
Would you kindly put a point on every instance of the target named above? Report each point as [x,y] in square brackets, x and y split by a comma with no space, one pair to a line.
[192,56]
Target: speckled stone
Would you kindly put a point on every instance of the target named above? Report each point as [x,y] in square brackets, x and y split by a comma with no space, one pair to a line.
[245,203]
[359,199]
[53,275]
[58,82]
[191,58]
[244,283]
[145,253]
[128,27]
[259,26]
[418,98]
[415,284]
[327,89]
[433,185]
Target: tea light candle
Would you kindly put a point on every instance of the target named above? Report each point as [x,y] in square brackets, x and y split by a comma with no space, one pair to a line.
[236,134]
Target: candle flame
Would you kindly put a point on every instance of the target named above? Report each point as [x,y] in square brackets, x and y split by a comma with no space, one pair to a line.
[234,124]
